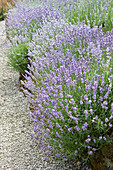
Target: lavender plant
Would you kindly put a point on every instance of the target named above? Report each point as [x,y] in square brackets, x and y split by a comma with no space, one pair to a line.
[72,97]
[59,38]
[93,12]
[23,20]
[72,111]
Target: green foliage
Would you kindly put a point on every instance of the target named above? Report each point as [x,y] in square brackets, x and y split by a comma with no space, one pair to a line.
[18,57]
[93,12]
[3,10]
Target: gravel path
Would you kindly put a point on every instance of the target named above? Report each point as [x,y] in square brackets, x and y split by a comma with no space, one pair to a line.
[17,150]
[16,147]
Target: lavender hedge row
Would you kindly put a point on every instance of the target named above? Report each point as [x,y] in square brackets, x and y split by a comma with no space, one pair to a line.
[69,86]
[93,12]
[23,20]
[27,18]
[71,89]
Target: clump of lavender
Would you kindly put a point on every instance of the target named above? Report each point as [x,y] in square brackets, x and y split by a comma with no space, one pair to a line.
[23,20]
[59,38]
[72,111]
[60,35]
[93,12]
[72,97]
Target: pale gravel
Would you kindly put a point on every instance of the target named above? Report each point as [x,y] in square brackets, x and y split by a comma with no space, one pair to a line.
[17,150]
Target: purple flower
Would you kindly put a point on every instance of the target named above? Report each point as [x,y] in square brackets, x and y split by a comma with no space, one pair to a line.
[106,108]
[110,125]
[106,119]
[101,98]
[95,118]
[105,103]
[60,146]
[74,109]
[86,113]
[61,95]
[57,125]
[66,100]
[85,124]
[90,101]
[85,97]
[91,111]
[112,106]
[47,152]
[50,126]
[83,127]
[102,81]
[65,159]
[58,134]
[69,129]
[94,96]
[62,117]
[104,138]
[77,128]
[88,140]
[94,140]
[111,117]
[46,159]
[94,149]
[90,152]
[57,155]
[76,152]
[106,95]
[68,95]
[100,137]
[74,118]
[89,147]
[72,101]
[49,147]
[81,102]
